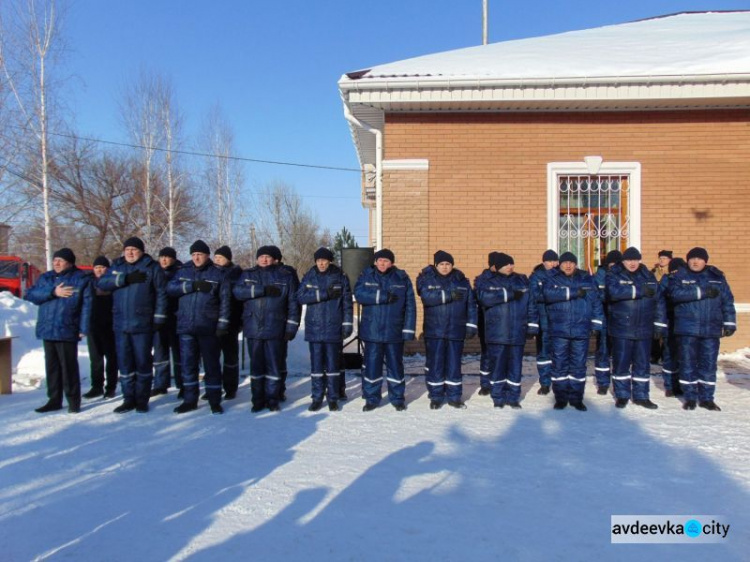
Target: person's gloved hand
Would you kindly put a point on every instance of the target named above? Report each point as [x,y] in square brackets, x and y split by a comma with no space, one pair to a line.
[408,336]
[160,324]
[518,294]
[334,292]
[471,332]
[135,277]
[728,331]
[649,291]
[271,291]
[347,330]
[289,336]
[712,292]
[202,286]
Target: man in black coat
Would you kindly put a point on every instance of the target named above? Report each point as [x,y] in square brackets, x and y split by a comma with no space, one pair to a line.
[101,339]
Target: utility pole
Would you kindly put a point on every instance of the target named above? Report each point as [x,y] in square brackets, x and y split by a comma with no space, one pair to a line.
[485,10]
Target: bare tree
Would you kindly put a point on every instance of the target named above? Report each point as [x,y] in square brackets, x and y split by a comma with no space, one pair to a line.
[29,44]
[283,219]
[222,175]
[171,120]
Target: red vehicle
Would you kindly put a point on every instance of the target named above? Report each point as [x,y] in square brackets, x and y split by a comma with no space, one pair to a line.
[16,275]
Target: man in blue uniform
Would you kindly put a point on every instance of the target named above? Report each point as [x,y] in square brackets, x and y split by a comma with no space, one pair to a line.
[138,286]
[230,347]
[636,313]
[271,315]
[703,312]
[389,315]
[202,318]
[166,342]
[64,299]
[450,316]
[550,260]
[328,321]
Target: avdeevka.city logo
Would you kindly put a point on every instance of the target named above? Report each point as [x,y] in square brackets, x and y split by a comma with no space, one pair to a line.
[669,529]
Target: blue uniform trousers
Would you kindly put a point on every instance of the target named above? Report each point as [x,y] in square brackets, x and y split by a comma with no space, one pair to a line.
[266,359]
[631,368]
[194,349]
[443,368]
[602,359]
[372,378]
[325,370]
[230,367]
[569,368]
[136,366]
[506,373]
[698,367]
[166,342]
[671,363]
[543,358]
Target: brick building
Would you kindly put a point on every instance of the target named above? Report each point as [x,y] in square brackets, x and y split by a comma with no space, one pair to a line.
[633,134]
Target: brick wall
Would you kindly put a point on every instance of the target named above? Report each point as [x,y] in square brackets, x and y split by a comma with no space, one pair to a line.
[486,188]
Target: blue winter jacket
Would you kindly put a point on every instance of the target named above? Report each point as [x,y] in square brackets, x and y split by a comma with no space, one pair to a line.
[172,303]
[232,274]
[631,315]
[507,317]
[695,313]
[326,318]
[536,282]
[138,306]
[62,319]
[571,316]
[268,317]
[444,316]
[384,322]
[199,313]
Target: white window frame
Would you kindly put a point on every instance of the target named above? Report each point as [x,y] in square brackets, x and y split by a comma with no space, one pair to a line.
[556,169]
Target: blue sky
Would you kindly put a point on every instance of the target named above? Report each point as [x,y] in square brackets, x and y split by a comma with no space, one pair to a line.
[273,67]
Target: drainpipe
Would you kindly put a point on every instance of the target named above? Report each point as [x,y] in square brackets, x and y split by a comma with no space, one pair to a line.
[378,172]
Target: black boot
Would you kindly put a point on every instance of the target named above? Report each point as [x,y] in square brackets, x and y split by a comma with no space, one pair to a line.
[48,407]
[257,408]
[436,404]
[342,395]
[484,392]
[125,407]
[110,393]
[369,407]
[580,406]
[669,393]
[689,405]
[457,404]
[602,390]
[181,394]
[621,402]
[315,406]
[333,407]
[499,405]
[74,408]
[158,391]
[274,407]
[400,407]
[709,405]
[217,409]
[204,396]
[230,395]
[560,405]
[185,407]
[543,390]
[515,405]
[94,393]
[646,404]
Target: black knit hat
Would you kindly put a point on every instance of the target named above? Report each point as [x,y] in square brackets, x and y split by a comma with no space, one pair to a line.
[501,260]
[550,255]
[386,254]
[491,258]
[271,251]
[323,254]
[441,256]
[569,256]
[225,251]
[200,246]
[665,254]
[134,242]
[66,254]
[676,264]
[697,252]
[101,260]
[613,257]
[631,253]
[168,252]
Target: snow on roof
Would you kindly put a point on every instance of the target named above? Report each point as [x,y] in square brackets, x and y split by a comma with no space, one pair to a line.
[687,44]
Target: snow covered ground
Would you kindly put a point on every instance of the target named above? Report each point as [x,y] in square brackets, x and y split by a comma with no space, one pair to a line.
[477,484]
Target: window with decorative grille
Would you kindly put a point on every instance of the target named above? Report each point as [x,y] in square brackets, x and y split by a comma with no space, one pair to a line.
[594,216]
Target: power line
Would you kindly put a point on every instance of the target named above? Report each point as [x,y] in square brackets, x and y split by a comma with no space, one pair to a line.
[205,154]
